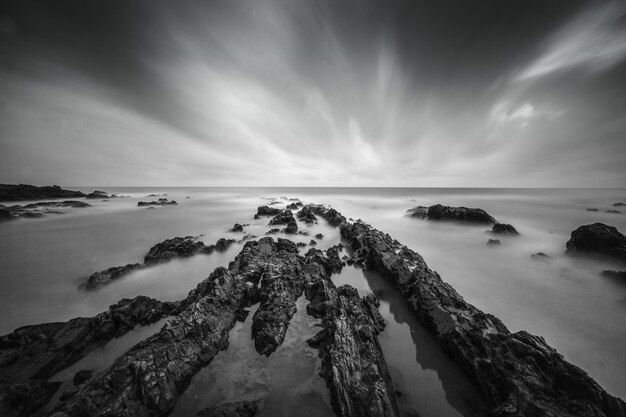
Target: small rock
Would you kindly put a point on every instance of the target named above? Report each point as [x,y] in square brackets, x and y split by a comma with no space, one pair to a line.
[504,229]
[592,209]
[540,256]
[494,242]
[237,228]
[292,228]
[312,242]
[319,236]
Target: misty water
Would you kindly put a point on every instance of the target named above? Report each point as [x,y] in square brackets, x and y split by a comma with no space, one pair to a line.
[580,313]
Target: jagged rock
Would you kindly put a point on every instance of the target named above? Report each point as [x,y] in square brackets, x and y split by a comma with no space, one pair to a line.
[68,393]
[81,376]
[161,202]
[25,398]
[598,240]
[312,242]
[332,216]
[540,256]
[9,192]
[494,242]
[283,217]
[237,409]
[300,244]
[294,206]
[504,229]
[306,215]
[66,203]
[105,277]
[223,244]
[97,195]
[237,228]
[319,236]
[352,361]
[518,374]
[292,228]
[176,247]
[274,231]
[614,274]
[267,211]
[282,284]
[336,264]
[447,213]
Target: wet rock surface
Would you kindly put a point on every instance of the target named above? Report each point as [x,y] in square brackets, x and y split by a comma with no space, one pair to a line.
[504,229]
[236,409]
[10,192]
[599,241]
[283,217]
[518,374]
[447,213]
[352,361]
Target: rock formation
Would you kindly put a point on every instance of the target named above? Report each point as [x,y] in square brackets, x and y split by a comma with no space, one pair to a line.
[9,192]
[447,213]
[598,240]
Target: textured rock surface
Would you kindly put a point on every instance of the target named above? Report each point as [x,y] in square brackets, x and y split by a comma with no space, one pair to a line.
[161,202]
[306,215]
[598,240]
[236,409]
[283,217]
[10,192]
[352,361]
[518,374]
[105,277]
[267,211]
[178,247]
[504,229]
[332,216]
[447,213]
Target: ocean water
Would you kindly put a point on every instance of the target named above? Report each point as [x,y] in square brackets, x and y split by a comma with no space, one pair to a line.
[566,301]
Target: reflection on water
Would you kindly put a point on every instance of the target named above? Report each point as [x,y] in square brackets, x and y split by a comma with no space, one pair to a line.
[288,382]
[429,384]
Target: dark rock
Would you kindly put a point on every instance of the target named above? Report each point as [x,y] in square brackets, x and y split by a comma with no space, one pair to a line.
[273,231]
[614,274]
[82,376]
[237,228]
[518,374]
[5,215]
[67,203]
[306,215]
[105,277]
[97,194]
[25,398]
[292,228]
[336,264]
[614,211]
[504,229]
[619,205]
[592,209]
[540,256]
[161,202]
[312,242]
[223,244]
[300,244]
[236,409]
[332,216]
[293,206]
[267,211]
[283,217]
[319,236]
[31,214]
[19,192]
[353,364]
[494,242]
[447,213]
[256,217]
[68,393]
[598,240]
[178,247]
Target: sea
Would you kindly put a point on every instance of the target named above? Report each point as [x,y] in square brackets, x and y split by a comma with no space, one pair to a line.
[582,314]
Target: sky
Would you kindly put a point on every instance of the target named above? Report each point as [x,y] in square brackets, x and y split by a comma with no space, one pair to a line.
[412,93]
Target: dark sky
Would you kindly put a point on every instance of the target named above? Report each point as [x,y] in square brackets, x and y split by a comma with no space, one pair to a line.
[317,93]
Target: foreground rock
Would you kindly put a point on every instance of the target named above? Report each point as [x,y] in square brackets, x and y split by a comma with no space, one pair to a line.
[352,361]
[20,192]
[518,374]
[447,213]
[599,241]
[161,202]
[32,354]
[148,379]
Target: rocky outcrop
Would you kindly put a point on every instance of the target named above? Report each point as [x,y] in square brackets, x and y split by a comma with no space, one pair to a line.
[332,216]
[236,409]
[494,242]
[504,229]
[283,217]
[599,241]
[98,195]
[614,274]
[66,203]
[294,206]
[105,277]
[148,379]
[267,211]
[292,228]
[352,361]
[161,202]
[9,192]
[237,228]
[306,215]
[518,374]
[447,213]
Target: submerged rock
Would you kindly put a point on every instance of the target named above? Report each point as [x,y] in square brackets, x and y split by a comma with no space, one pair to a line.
[9,192]
[504,229]
[597,240]
[518,374]
[540,256]
[448,213]
[494,242]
